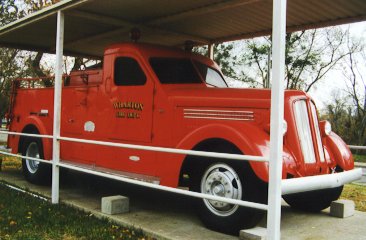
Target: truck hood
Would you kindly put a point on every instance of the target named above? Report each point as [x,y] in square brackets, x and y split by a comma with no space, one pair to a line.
[223,97]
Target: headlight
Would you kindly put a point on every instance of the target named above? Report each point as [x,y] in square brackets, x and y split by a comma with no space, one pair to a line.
[327,128]
[267,128]
[284,130]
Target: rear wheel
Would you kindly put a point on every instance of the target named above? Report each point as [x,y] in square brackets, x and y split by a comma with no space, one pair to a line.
[231,181]
[34,171]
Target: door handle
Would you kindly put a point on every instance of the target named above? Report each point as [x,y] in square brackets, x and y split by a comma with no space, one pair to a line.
[108,85]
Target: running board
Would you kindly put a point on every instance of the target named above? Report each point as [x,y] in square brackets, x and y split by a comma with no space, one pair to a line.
[134,176]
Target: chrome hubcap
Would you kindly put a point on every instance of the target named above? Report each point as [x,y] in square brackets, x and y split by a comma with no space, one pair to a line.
[221,180]
[32,151]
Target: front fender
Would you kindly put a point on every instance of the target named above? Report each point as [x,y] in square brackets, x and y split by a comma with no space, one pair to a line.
[339,151]
[249,139]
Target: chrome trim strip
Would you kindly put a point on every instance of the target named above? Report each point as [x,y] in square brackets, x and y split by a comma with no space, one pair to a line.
[217,110]
[213,118]
[219,114]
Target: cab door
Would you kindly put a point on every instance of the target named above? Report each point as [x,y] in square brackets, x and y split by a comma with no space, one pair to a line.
[128,117]
[132,101]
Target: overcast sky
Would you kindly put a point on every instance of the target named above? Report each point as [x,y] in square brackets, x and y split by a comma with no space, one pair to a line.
[334,83]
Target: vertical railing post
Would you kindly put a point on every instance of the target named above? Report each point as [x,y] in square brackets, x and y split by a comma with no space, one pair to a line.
[57,107]
[211,51]
[277,114]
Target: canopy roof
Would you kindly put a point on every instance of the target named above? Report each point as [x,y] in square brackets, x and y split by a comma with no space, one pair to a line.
[91,25]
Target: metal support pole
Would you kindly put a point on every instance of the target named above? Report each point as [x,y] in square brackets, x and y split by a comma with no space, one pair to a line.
[268,80]
[211,51]
[57,107]
[277,109]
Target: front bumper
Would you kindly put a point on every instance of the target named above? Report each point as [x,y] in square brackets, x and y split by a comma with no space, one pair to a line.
[311,183]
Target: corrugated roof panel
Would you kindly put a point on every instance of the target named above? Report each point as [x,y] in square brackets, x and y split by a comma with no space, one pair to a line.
[90,25]
[140,11]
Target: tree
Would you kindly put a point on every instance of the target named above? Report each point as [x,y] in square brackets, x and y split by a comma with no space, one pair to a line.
[224,57]
[309,56]
[9,67]
[356,88]
[339,114]
[15,63]
[347,112]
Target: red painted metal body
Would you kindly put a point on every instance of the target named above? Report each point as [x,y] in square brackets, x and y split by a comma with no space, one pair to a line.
[166,115]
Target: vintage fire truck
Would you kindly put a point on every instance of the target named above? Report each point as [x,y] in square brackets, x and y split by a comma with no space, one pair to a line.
[155,96]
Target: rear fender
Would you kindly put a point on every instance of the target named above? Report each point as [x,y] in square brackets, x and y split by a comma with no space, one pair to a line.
[339,151]
[47,143]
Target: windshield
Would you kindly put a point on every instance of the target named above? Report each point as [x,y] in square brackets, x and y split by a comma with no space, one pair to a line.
[175,70]
[184,71]
[211,76]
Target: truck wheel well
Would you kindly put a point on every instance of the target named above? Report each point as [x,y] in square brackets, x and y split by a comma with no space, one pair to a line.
[27,129]
[191,164]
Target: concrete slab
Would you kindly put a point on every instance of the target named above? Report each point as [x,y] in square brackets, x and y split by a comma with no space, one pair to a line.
[169,216]
[257,233]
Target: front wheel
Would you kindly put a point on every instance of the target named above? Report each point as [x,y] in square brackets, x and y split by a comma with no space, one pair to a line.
[313,201]
[34,171]
[234,182]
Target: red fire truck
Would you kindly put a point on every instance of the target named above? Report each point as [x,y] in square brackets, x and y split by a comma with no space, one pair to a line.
[154,96]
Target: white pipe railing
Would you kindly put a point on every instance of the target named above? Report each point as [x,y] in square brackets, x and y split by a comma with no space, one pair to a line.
[311,183]
[357,147]
[148,148]
[168,189]
[289,185]
[259,206]
[29,158]
[170,150]
[26,134]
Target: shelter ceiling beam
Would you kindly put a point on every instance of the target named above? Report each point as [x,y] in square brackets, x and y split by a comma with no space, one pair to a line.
[211,8]
[39,15]
[124,27]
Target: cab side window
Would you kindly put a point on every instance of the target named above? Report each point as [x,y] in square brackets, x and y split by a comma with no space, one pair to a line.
[127,72]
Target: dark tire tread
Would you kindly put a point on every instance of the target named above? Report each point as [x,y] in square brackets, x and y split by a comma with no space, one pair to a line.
[42,176]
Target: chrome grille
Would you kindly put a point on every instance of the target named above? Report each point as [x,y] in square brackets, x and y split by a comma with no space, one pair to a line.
[304,131]
[317,132]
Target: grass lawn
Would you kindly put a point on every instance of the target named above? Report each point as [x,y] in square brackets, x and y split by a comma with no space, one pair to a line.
[25,217]
[359,158]
[357,193]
